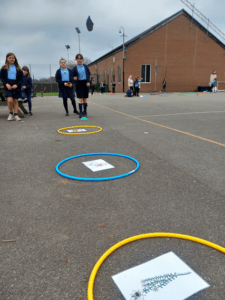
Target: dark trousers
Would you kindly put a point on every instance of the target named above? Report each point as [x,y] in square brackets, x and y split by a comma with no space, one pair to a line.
[92,89]
[136,91]
[2,97]
[164,89]
[132,89]
[29,102]
[28,96]
[66,105]
[113,89]
[102,90]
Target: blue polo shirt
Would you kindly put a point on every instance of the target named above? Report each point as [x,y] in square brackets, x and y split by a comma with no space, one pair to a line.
[136,84]
[12,72]
[81,73]
[65,74]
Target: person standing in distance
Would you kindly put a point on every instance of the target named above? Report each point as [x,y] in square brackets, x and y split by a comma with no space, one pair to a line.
[113,87]
[130,83]
[81,75]
[92,85]
[164,85]
[26,86]
[11,77]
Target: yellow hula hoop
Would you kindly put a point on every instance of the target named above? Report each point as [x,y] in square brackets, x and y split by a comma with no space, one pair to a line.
[139,237]
[71,133]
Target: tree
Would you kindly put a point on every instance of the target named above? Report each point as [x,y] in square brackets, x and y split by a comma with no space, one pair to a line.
[86,61]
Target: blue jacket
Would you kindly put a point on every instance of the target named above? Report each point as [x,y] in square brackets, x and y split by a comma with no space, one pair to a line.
[88,74]
[129,93]
[214,82]
[27,82]
[5,80]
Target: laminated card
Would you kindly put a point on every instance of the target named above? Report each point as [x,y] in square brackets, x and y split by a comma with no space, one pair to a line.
[166,277]
[97,165]
[76,130]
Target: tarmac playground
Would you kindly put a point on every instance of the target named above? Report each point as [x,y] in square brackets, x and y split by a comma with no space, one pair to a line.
[60,227]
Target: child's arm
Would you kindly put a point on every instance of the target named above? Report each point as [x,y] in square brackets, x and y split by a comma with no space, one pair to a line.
[88,75]
[74,73]
[4,76]
[57,77]
[29,83]
[20,78]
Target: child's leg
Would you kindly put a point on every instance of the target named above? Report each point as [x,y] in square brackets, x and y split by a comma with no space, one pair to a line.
[10,107]
[65,104]
[74,105]
[80,107]
[16,106]
[10,104]
[85,107]
[29,102]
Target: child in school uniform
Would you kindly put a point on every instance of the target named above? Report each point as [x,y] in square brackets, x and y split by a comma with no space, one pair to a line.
[81,75]
[92,85]
[26,87]
[102,87]
[65,80]
[11,76]
[113,87]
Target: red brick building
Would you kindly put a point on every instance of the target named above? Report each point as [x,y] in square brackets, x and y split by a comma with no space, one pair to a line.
[184,51]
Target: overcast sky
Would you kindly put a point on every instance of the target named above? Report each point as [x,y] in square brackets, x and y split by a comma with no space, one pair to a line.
[38,30]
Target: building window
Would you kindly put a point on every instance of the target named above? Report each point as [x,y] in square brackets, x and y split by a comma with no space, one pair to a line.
[146,73]
[111,75]
[99,77]
[119,74]
[105,76]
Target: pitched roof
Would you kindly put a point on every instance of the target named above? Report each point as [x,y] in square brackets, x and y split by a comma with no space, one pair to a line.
[154,28]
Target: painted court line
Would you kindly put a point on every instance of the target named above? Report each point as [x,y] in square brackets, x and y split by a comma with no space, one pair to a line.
[200,112]
[173,129]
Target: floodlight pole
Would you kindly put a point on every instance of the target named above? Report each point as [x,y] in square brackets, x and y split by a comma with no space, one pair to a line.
[78,31]
[123,35]
[67,47]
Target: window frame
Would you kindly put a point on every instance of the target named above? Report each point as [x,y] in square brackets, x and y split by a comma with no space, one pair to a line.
[150,77]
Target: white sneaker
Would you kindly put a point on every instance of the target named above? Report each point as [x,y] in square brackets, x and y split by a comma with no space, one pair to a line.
[17,118]
[10,117]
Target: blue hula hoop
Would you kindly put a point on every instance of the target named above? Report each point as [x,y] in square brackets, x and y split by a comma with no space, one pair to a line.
[96,179]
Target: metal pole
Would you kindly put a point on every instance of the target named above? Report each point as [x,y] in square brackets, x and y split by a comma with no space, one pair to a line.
[123,54]
[30,69]
[50,77]
[155,73]
[68,55]
[79,42]
[193,7]
[123,59]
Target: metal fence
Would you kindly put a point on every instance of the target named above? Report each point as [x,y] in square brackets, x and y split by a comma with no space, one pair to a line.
[43,76]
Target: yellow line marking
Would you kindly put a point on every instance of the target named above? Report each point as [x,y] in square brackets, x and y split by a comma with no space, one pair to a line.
[187,133]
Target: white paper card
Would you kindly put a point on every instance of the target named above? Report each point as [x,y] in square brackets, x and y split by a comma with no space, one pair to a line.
[76,130]
[166,277]
[98,165]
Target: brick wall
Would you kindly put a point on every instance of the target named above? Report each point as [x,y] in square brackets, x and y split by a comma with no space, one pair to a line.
[185,56]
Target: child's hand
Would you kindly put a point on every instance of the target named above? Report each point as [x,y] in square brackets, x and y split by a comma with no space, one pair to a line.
[14,86]
[8,86]
[70,85]
[88,84]
[66,84]
[24,87]
[75,78]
